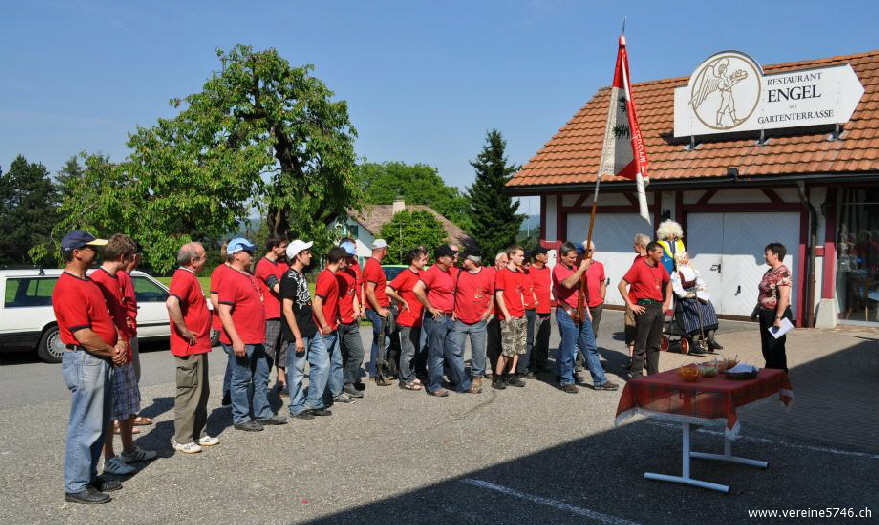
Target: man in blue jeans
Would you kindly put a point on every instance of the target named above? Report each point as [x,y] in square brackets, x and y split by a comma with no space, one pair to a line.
[575,333]
[305,343]
[90,336]
[473,305]
[377,306]
[244,330]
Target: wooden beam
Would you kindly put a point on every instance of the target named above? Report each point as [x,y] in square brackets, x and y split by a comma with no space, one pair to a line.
[706,197]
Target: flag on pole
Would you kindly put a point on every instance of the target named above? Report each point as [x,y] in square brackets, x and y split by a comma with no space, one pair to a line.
[623,153]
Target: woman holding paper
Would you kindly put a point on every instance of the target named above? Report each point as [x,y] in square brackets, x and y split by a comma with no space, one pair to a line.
[773,307]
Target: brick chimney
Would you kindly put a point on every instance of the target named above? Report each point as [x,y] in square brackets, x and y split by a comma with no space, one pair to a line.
[398,205]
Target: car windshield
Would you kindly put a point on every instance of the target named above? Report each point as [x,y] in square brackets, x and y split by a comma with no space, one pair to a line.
[392,271]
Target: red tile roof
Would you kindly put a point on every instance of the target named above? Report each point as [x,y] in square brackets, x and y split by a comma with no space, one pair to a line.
[374,216]
[572,156]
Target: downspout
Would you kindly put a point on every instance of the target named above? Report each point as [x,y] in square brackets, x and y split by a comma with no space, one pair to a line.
[808,318]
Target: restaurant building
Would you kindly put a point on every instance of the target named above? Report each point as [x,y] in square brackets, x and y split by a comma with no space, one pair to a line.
[741,155]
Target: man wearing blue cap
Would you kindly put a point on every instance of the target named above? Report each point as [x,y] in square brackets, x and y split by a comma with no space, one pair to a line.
[88,332]
[350,312]
[244,330]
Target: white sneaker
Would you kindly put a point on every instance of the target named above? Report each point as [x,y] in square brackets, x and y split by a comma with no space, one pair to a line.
[208,441]
[117,467]
[186,448]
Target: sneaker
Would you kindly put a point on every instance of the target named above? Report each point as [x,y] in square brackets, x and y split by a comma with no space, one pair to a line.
[208,441]
[117,467]
[274,420]
[570,388]
[186,448]
[305,414]
[249,426]
[320,412]
[607,385]
[343,398]
[696,351]
[498,383]
[352,391]
[284,391]
[105,485]
[138,455]
[439,392]
[515,381]
[87,496]
[529,375]
[227,401]
[360,385]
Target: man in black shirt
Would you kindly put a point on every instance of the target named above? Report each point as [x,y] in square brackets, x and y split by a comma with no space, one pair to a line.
[305,344]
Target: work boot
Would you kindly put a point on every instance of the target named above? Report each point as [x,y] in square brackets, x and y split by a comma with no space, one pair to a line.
[712,343]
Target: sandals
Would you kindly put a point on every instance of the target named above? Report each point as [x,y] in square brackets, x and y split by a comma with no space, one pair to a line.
[411,385]
[142,421]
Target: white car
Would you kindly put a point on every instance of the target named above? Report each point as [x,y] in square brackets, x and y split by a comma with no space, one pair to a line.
[27,320]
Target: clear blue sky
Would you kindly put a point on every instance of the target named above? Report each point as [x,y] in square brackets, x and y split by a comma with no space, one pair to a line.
[424,80]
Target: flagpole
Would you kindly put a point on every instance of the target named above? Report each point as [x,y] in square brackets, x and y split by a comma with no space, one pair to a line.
[581,292]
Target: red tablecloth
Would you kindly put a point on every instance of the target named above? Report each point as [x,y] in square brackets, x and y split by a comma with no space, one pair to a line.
[703,401]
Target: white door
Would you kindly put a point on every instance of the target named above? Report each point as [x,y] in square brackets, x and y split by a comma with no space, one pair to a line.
[613,237]
[732,278]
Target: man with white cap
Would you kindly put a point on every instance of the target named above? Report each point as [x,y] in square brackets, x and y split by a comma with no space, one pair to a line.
[350,312]
[244,330]
[305,344]
[377,304]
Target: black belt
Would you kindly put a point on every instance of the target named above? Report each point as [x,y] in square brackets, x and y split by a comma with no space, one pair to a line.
[648,302]
[74,348]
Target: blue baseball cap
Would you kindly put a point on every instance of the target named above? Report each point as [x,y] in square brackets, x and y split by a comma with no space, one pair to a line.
[349,248]
[78,239]
[240,244]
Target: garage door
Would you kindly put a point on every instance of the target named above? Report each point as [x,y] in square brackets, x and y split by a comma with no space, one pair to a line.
[727,248]
[613,236]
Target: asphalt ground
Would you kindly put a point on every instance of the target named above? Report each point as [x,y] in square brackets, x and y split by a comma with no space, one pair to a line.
[522,455]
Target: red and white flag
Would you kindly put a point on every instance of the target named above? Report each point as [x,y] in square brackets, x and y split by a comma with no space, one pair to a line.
[623,153]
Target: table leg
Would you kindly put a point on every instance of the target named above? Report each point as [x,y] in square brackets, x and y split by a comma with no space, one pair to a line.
[728,457]
[685,468]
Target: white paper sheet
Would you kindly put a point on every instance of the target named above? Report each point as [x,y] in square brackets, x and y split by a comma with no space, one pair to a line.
[786,326]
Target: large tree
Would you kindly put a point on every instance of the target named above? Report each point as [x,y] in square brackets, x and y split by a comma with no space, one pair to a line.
[28,210]
[408,229]
[495,221]
[416,184]
[68,176]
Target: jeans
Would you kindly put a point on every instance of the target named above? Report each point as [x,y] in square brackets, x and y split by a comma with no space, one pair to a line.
[250,371]
[524,362]
[410,337]
[539,354]
[227,376]
[88,379]
[648,337]
[352,351]
[441,347]
[477,333]
[379,337]
[318,370]
[572,338]
[336,371]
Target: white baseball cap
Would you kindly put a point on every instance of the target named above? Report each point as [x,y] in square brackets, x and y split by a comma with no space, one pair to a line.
[378,244]
[297,246]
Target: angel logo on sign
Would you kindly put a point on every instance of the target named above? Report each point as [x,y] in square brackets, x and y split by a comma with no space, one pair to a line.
[725,90]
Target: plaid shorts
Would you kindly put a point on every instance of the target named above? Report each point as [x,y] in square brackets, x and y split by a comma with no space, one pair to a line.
[125,400]
[274,345]
[514,336]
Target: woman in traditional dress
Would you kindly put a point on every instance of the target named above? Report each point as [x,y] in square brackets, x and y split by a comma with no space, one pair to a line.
[691,293]
[671,236]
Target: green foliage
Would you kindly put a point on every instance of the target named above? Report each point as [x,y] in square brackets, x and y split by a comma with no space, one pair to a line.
[28,201]
[408,229]
[495,221]
[69,175]
[418,184]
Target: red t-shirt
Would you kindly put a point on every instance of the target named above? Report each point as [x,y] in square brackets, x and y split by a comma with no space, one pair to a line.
[440,286]
[528,289]
[403,284]
[473,293]
[241,291]
[327,288]
[78,304]
[594,277]
[373,273]
[216,277]
[111,287]
[560,272]
[270,272]
[541,281]
[512,284]
[647,282]
[355,267]
[186,288]
[347,289]
[129,301]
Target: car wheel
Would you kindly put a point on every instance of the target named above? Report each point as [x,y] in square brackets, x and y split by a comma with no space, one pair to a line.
[50,348]
[215,338]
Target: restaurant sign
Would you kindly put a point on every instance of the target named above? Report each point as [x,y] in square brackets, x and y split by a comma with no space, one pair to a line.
[728,92]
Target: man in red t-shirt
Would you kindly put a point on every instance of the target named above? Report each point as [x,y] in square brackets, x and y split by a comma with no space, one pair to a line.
[268,272]
[539,330]
[87,330]
[435,290]
[326,316]
[190,344]
[350,313]
[217,325]
[510,286]
[377,304]
[652,289]
[474,304]
[523,364]
[409,319]
[493,327]
[244,331]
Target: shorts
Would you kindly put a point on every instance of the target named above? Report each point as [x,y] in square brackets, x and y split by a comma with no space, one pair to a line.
[629,326]
[276,347]
[514,336]
[125,395]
